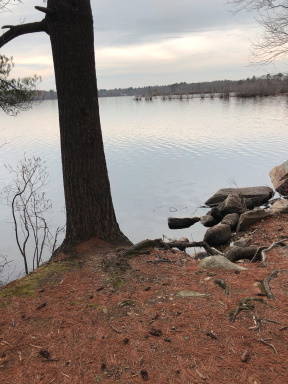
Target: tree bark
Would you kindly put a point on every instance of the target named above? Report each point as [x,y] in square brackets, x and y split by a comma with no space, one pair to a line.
[89,206]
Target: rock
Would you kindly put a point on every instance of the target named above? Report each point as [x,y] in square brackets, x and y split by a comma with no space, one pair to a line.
[280,206]
[187,293]
[232,220]
[259,195]
[183,222]
[250,217]
[216,214]
[219,262]
[183,240]
[242,242]
[208,221]
[200,255]
[279,178]
[217,235]
[238,253]
[232,204]
[250,204]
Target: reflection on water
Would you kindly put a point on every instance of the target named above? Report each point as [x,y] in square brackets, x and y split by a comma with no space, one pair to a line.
[164,157]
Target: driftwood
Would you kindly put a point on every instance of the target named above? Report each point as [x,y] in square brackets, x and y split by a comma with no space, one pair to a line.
[266,281]
[159,243]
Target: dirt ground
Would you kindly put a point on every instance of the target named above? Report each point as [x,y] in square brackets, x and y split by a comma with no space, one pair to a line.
[86,321]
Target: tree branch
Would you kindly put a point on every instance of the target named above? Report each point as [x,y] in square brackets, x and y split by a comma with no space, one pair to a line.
[47,11]
[22,29]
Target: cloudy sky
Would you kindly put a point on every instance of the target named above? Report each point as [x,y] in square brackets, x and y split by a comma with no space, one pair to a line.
[148,42]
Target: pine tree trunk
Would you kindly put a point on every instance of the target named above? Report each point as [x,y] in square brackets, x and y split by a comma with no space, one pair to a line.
[89,206]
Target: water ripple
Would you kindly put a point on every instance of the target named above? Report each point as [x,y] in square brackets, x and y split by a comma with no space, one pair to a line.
[164,158]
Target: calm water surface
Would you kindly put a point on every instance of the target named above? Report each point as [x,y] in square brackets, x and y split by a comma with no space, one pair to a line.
[165,158]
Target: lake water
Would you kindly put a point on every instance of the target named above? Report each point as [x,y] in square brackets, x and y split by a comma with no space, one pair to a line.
[165,158]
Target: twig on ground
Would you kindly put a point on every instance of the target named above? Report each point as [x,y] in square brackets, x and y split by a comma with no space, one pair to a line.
[200,374]
[271,321]
[35,346]
[258,323]
[285,327]
[266,342]
[5,342]
[64,374]
[115,329]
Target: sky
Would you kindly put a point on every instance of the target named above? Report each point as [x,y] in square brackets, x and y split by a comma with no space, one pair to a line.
[148,42]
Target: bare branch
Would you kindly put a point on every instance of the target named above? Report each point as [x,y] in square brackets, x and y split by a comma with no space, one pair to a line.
[5,4]
[28,206]
[22,29]
[272,43]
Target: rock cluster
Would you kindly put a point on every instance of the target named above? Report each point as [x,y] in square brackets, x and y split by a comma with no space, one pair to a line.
[233,210]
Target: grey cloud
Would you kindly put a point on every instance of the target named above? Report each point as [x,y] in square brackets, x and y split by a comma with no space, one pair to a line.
[122,22]
[130,21]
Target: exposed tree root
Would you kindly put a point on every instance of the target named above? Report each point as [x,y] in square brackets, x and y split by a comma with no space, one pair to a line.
[159,243]
[263,253]
[245,304]
[266,281]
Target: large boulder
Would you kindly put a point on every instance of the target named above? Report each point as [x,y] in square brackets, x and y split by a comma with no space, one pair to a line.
[279,178]
[280,206]
[232,204]
[250,217]
[183,222]
[219,262]
[218,235]
[258,195]
[232,220]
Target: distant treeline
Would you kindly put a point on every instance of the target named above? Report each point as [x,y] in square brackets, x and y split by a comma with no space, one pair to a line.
[47,95]
[250,87]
